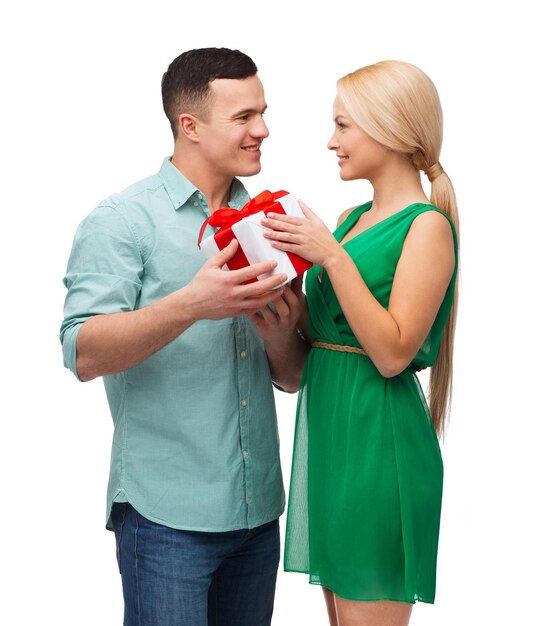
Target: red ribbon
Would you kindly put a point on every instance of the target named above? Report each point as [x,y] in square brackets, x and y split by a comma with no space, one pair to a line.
[225,218]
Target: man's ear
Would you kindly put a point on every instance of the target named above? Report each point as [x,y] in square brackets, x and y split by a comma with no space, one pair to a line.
[188,126]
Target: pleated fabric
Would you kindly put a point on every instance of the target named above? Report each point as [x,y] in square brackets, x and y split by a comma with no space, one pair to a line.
[366,484]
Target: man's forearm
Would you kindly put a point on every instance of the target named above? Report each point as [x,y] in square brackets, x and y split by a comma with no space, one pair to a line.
[111,343]
[114,342]
[286,361]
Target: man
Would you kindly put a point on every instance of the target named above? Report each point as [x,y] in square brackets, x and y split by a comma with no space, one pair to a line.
[195,488]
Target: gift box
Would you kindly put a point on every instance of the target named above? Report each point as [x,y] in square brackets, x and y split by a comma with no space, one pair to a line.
[244,225]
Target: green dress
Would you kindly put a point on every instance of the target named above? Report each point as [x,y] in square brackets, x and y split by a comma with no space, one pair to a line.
[366,483]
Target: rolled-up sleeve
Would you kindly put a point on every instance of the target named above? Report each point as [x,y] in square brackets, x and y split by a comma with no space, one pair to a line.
[104,274]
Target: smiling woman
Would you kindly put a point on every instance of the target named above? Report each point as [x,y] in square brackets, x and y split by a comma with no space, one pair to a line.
[349,139]
[366,486]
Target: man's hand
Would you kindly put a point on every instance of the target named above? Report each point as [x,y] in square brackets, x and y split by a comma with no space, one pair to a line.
[215,293]
[277,325]
[111,343]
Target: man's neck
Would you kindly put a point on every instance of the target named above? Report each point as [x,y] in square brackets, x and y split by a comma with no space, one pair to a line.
[215,188]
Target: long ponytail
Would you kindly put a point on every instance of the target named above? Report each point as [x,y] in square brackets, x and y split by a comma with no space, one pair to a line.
[442,195]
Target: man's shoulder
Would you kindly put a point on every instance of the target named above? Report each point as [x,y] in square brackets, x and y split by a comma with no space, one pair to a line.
[135,195]
[129,209]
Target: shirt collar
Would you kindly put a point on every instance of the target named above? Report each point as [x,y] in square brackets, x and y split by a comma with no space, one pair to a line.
[180,189]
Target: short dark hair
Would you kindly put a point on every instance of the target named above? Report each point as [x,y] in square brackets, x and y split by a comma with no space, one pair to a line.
[185,84]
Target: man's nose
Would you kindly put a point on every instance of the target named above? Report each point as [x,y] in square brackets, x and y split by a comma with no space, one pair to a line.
[260,129]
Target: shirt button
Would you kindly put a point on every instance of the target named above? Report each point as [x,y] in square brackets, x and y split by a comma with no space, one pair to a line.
[199,196]
[244,354]
[245,453]
[243,403]
[195,204]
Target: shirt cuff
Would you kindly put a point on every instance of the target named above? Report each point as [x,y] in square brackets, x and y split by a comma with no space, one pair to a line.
[70,348]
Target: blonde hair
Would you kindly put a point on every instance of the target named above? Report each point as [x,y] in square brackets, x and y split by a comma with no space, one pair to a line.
[397,104]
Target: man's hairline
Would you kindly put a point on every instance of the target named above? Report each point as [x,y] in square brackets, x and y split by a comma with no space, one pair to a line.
[204,113]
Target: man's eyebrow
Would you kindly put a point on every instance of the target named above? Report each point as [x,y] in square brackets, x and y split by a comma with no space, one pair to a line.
[248,112]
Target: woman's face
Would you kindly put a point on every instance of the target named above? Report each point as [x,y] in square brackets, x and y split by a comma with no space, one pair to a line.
[360,156]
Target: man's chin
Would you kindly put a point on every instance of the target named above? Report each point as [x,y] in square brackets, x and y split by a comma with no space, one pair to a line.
[250,171]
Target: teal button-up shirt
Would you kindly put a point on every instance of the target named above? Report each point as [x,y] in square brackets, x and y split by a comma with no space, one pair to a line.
[195,443]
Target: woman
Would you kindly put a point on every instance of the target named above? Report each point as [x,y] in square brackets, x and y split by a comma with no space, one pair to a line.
[366,486]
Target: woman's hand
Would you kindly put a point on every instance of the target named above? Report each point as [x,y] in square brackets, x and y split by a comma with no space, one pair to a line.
[309,237]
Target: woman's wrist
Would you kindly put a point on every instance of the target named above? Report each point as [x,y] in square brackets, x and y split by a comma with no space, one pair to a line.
[335,260]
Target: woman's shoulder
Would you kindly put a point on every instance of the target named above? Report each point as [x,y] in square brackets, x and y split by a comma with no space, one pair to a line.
[345,214]
[429,218]
[431,229]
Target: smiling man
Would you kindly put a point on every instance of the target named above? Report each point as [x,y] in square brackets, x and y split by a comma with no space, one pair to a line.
[195,488]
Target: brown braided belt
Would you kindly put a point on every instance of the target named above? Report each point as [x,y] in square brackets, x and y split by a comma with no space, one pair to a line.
[338,348]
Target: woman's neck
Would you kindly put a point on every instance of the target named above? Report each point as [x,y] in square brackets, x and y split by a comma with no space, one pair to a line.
[396,187]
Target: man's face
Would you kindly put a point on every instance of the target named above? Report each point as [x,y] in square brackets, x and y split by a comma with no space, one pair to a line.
[231,133]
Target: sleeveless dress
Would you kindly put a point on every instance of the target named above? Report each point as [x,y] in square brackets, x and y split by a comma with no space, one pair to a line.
[366,482]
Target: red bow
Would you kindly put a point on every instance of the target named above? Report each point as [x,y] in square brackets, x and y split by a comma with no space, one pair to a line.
[226,217]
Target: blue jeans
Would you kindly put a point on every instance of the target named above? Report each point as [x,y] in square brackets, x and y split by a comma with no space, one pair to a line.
[184,578]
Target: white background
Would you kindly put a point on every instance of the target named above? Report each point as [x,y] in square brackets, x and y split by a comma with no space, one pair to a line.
[82,118]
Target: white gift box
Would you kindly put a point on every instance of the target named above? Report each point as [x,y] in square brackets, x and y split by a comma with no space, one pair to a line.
[253,246]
